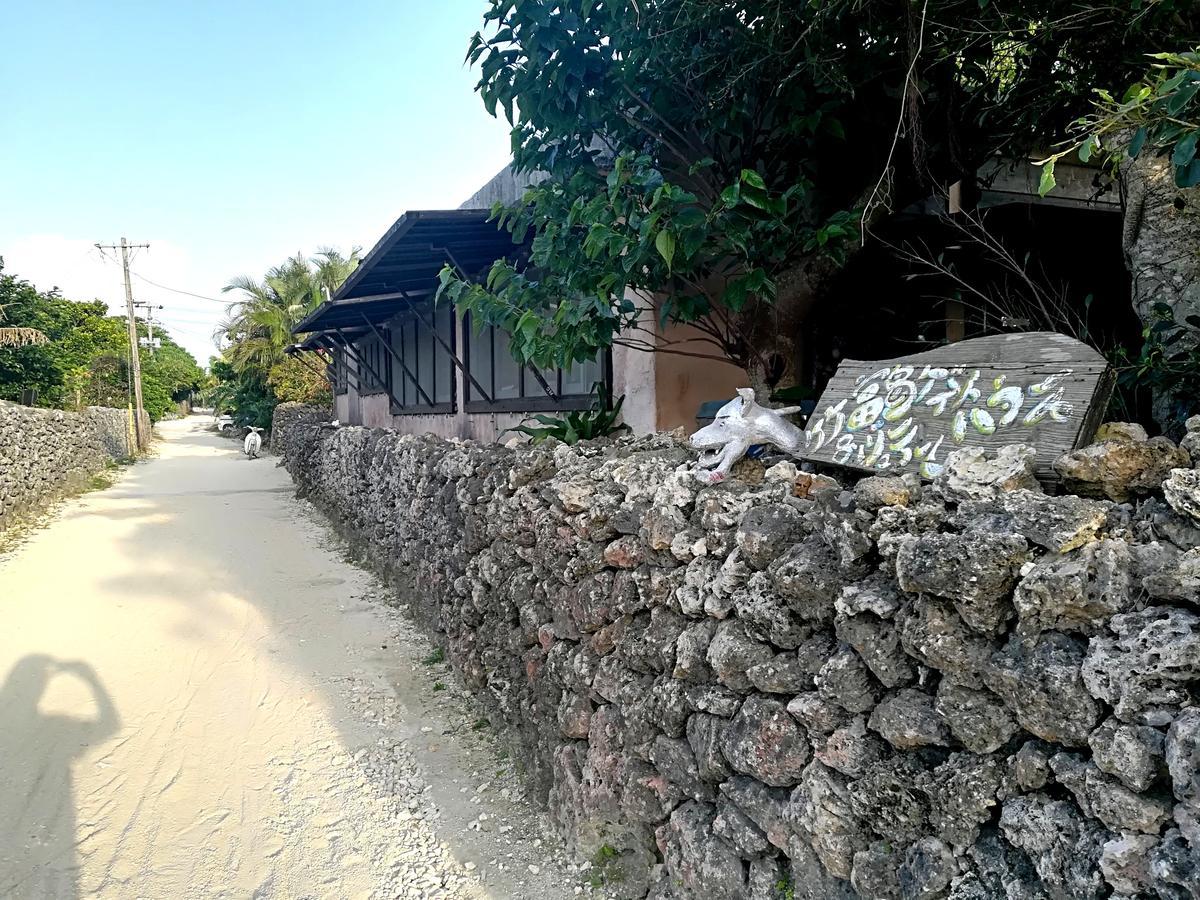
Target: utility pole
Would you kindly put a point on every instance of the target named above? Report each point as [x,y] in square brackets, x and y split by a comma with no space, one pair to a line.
[135,362]
[149,307]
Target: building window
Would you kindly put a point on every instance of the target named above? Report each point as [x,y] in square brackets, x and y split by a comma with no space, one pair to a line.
[518,388]
[341,377]
[425,381]
[375,374]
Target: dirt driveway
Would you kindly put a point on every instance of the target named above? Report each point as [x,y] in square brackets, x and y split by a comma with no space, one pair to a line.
[200,699]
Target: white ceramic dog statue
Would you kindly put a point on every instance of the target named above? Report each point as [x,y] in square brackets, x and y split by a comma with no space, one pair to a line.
[739,425]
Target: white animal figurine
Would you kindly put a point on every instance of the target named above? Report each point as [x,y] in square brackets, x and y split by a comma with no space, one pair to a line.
[253,442]
[737,426]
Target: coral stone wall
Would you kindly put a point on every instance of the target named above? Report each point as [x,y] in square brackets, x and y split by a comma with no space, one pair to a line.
[45,453]
[787,686]
[290,415]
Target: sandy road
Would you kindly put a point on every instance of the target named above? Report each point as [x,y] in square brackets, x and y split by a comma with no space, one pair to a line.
[200,700]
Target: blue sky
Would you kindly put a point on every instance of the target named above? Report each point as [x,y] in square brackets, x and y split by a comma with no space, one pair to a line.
[228,136]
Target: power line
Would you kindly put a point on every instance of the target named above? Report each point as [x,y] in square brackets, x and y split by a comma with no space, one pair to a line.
[186,293]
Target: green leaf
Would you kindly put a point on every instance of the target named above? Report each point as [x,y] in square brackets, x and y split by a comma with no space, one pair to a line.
[752,178]
[1185,149]
[1089,146]
[527,325]
[665,245]
[1188,176]
[1137,142]
[731,195]
[1046,183]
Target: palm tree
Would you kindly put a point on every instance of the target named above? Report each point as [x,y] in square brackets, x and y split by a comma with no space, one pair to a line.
[258,330]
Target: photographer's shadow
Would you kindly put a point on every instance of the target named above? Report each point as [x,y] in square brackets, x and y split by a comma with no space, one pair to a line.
[37,803]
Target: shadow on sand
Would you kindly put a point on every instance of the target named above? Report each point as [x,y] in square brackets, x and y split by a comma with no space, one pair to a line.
[37,749]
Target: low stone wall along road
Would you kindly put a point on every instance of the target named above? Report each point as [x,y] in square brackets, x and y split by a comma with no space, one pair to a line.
[200,699]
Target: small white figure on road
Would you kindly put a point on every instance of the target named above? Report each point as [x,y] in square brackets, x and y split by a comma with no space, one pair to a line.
[253,442]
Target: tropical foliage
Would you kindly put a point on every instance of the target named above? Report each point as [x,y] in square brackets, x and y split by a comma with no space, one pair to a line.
[599,420]
[255,372]
[1159,113]
[80,356]
[718,161]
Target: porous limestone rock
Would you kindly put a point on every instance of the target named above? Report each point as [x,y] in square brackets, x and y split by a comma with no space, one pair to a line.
[1125,862]
[932,632]
[974,473]
[927,870]
[1182,490]
[1065,848]
[1040,682]
[1177,578]
[1106,799]
[907,720]
[878,643]
[46,453]
[655,652]
[851,748]
[767,614]
[766,531]
[1127,432]
[1079,591]
[1133,754]
[1183,755]
[1119,468]
[1057,524]
[820,810]
[1146,667]
[845,680]
[764,741]
[1191,441]
[977,718]
[877,491]
[732,651]
[976,571]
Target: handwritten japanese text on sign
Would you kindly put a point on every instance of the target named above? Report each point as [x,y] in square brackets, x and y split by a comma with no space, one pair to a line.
[908,414]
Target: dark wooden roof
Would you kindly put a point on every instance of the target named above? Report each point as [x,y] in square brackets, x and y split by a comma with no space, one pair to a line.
[403,267]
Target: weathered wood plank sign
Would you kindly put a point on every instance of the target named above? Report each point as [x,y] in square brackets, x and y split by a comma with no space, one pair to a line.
[908,414]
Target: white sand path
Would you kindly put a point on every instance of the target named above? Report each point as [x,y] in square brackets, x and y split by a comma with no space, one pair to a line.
[198,700]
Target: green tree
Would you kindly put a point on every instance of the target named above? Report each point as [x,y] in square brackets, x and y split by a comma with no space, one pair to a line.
[254,372]
[1148,137]
[718,161]
[169,375]
[259,328]
[83,359]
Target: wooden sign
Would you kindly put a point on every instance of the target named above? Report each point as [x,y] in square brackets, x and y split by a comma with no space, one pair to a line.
[892,416]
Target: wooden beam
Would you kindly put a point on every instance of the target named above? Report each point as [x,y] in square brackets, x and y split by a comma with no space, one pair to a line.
[387,345]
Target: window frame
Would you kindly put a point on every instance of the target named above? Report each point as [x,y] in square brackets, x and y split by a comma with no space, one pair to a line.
[527,402]
[403,383]
[374,356]
[341,374]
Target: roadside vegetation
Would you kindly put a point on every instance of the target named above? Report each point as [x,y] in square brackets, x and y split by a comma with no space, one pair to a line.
[68,354]
[254,372]
[722,163]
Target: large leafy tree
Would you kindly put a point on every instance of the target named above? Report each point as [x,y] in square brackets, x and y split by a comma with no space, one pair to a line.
[1149,137]
[259,327]
[255,372]
[717,161]
[82,356]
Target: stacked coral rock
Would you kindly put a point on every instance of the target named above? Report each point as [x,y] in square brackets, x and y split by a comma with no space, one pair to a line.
[45,453]
[791,685]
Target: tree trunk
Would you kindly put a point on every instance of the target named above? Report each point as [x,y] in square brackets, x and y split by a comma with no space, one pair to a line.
[775,332]
[1161,241]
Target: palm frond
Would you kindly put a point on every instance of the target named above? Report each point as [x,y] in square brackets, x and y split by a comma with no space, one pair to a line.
[22,337]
